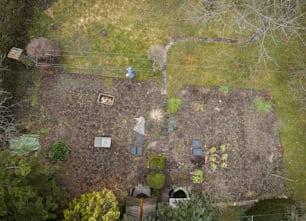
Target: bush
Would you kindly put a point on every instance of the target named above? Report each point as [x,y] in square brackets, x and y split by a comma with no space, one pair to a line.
[58,150]
[157,162]
[174,105]
[30,190]
[156,180]
[199,207]
[100,205]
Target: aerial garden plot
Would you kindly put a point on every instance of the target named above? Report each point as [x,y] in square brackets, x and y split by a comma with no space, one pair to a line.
[211,109]
[235,165]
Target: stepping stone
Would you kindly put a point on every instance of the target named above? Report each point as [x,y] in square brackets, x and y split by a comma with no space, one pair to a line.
[139,138]
[196,143]
[136,151]
[197,152]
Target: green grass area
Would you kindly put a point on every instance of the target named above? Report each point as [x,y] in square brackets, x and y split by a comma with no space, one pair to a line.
[215,64]
[133,26]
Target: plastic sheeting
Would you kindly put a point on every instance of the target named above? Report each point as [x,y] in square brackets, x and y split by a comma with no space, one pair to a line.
[24,144]
[140,125]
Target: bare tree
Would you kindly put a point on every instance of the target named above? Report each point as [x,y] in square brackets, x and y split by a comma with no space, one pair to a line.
[281,19]
[3,68]
[7,120]
[42,48]
[155,53]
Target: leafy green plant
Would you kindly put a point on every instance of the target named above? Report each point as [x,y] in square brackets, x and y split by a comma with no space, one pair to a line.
[263,106]
[250,193]
[174,105]
[224,156]
[157,162]
[156,180]
[223,148]
[43,131]
[223,165]
[224,89]
[58,151]
[213,166]
[197,176]
[213,150]
[213,158]
[186,166]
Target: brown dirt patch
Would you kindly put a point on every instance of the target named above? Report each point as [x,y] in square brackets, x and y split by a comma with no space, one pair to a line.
[71,111]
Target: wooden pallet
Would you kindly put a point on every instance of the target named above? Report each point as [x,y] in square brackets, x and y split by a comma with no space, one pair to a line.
[15,53]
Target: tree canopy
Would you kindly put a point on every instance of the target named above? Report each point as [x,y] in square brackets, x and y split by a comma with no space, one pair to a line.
[99,205]
[29,189]
[15,20]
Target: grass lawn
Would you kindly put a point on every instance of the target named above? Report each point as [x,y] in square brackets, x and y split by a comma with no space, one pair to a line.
[133,26]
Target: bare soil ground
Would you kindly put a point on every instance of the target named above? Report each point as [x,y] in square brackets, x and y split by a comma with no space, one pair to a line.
[70,109]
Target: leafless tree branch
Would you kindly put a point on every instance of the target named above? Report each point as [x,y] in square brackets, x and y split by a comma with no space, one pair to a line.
[263,18]
[7,120]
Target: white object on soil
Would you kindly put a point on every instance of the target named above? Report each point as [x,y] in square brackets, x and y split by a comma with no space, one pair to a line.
[140,125]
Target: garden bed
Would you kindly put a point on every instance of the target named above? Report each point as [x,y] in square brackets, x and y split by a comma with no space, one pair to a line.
[244,169]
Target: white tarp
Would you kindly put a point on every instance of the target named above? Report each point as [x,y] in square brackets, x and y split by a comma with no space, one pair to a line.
[140,125]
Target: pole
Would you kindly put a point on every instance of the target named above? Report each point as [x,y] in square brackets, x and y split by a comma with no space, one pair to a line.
[140,208]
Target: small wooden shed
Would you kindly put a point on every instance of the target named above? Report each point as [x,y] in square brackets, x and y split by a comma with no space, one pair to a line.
[139,208]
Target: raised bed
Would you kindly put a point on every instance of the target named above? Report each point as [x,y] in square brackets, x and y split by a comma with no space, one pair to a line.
[106,99]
